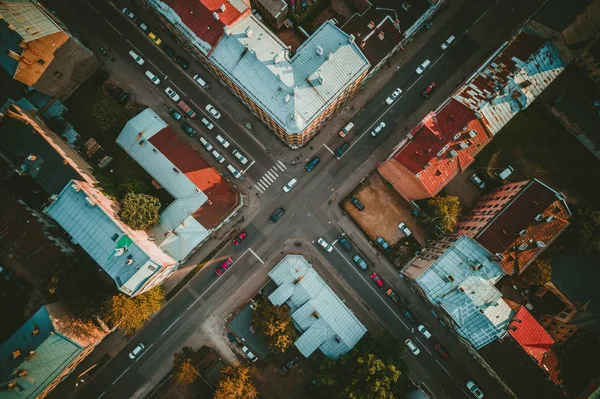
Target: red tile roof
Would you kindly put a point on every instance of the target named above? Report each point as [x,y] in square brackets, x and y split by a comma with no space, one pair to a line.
[222,198]
[198,16]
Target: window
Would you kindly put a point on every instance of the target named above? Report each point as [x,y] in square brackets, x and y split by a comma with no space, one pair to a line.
[114,237]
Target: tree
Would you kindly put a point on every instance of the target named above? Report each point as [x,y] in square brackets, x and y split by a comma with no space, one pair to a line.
[140,211]
[129,313]
[185,373]
[235,383]
[538,273]
[445,209]
[589,229]
[133,185]
[275,323]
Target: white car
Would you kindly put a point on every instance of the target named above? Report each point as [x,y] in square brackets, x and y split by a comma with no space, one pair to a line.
[378,129]
[213,111]
[206,144]
[198,79]
[422,67]
[424,331]
[208,124]
[249,354]
[234,172]
[325,245]
[413,348]
[404,229]
[136,351]
[130,14]
[218,156]
[172,94]
[291,184]
[222,141]
[153,78]
[393,97]
[240,157]
[474,389]
[138,59]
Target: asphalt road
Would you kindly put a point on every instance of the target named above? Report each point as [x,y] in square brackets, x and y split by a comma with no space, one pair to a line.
[480,28]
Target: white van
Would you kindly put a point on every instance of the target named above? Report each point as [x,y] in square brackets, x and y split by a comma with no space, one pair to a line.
[207,123]
[448,42]
[222,141]
[422,67]
[138,59]
[200,81]
[344,132]
[205,143]
[240,157]
[218,156]
[234,172]
[153,78]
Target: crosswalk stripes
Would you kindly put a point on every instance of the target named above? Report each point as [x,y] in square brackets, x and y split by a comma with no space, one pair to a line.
[270,176]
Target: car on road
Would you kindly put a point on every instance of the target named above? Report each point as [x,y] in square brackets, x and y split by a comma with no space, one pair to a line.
[393,296]
[205,143]
[153,78]
[342,149]
[249,354]
[154,38]
[182,62]
[138,59]
[188,129]
[237,240]
[404,229]
[234,172]
[346,129]
[447,42]
[360,262]
[129,14]
[176,115]
[377,279]
[356,202]
[312,163]
[290,185]
[207,123]
[440,349]
[223,266]
[428,90]
[423,330]
[378,129]
[393,97]
[408,316]
[144,27]
[291,363]
[172,94]
[423,67]
[477,180]
[474,389]
[383,243]
[326,246]
[345,243]
[136,351]
[240,157]
[276,215]
[222,141]
[168,50]
[412,347]
[213,111]
[198,79]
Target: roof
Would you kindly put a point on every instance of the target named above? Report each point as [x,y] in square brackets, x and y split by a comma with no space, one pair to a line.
[196,18]
[274,7]
[512,79]
[9,43]
[53,352]
[92,220]
[468,296]
[27,19]
[322,317]
[52,163]
[292,91]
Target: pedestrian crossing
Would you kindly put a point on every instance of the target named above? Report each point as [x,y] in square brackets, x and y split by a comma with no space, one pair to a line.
[270,176]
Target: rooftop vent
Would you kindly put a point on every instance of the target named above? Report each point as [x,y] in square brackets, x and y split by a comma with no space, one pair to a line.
[11,385]
[453,153]
[35,331]
[16,354]
[497,257]
[550,219]
[142,142]
[472,133]
[522,232]
[450,278]
[21,373]
[248,31]
[476,266]
[338,339]
[351,38]
[75,187]
[523,247]
[287,98]
[223,8]
[540,244]
[371,25]
[175,170]
[381,35]
[315,315]
[29,355]
[461,289]
[216,15]
[463,145]
[227,30]
[129,261]
[539,217]
[319,50]
[456,136]
[90,201]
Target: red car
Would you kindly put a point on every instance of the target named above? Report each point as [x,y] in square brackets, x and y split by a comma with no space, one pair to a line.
[237,240]
[224,266]
[428,90]
[438,348]
[377,280]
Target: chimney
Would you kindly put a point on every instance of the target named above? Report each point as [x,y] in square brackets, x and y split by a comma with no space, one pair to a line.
[381,35]
[223,8]
[351,38]
[227,30]
[319,50]
[248,32]
[371,25]
[216,15]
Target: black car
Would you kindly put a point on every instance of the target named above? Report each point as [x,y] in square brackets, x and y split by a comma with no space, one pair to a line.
[345,243]
[276,215]
[342,149]
[182,62]
[188,129]
[170,52]
[357,203]
[291,363]
[311,165]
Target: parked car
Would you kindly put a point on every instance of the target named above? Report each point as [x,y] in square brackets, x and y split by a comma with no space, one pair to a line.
[144,27]
[409,316]
[222,141]
[213,111]
[477,180]
[188,129]
[422,67]
[223,266]
[182,62]
[447,42]
[172,94]
[378,129]
[423,330]
[386,247]
[237,240]
[346,129]
[138,59]
[412,347]
[312,163]
[243,160]
[153,78]
[154,38]
[168,50]
[276,215]
[220,158]
[207,123]
[176,115]
[186,108]
[356,202]
[234,172]
[342,149]
[249,354]
[377,279]
[198,79]
[290,185]
[505,173]
[136,351]
[474,389]
[439,349]
[393,97]
[360,262]
[205,143]
[393,296]
[428,90]
[324,244]
[345,243]
[234,339]
[291,363]
[129,14]
[404,229]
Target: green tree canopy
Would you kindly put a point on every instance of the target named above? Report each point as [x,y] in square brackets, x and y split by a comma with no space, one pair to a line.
[275,323]
[445,210]
[235,383]
[538,273]
[129,313]
[140,211]
[183,370]
[589,229]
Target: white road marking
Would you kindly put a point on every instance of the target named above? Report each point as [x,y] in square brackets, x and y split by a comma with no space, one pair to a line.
[132,45]
[161,72]
[265,182]
[280,168]
[424,347]
[104,391]
[256,256]
[181,91]
[486,11]
[282,164]
[438,362]
[144,352]
[273,170]
[176,320]
[328,149]
[196,105]
[119,377]
[245,170]
[268,177]
[98,12]
[258,188]
[271,175]
[112,26]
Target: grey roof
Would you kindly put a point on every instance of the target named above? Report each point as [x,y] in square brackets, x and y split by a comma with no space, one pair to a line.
[468,295]
[324,320]
[294,92]
[27,19]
